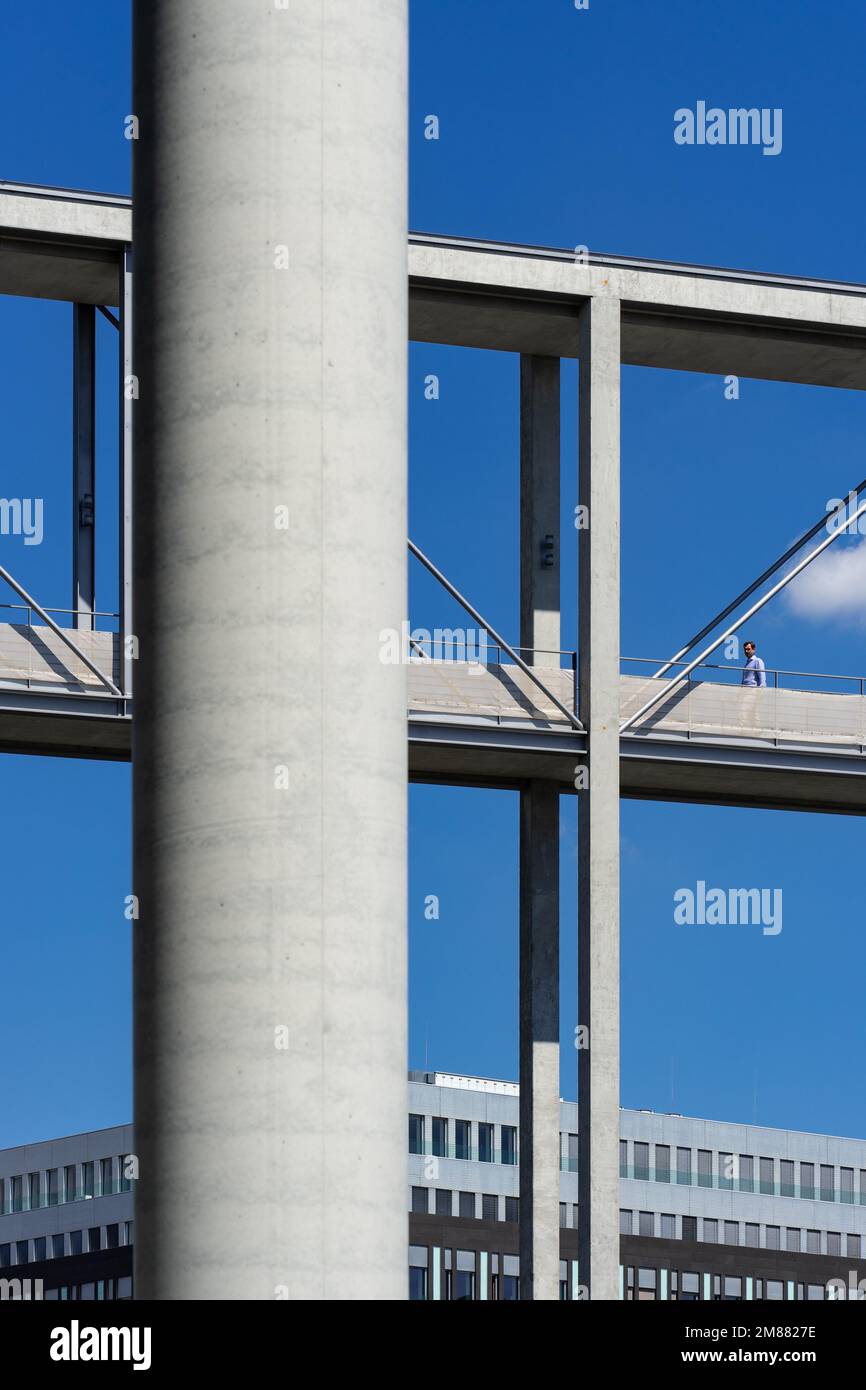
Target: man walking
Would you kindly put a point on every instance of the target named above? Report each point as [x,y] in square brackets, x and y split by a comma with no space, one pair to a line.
[753,671]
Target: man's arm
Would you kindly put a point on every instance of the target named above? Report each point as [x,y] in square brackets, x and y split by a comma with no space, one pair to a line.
[759,672]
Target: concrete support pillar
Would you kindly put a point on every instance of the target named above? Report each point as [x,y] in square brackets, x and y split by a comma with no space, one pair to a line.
[83,464]
[598,806]
[270,739]
[539,843]
[539,510]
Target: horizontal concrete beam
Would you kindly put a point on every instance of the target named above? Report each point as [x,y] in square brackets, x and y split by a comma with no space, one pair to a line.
[62,244]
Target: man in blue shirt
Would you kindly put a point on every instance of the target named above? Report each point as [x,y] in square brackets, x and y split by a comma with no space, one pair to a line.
[753,671]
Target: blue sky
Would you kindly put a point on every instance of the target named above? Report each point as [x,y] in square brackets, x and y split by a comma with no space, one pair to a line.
[556,127]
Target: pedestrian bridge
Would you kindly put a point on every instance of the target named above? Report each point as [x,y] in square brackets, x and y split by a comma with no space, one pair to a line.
[708,739]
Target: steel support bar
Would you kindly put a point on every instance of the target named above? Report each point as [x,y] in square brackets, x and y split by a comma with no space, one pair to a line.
[491,631]
[747,593]
[83,465]
[771,593]
[598,804]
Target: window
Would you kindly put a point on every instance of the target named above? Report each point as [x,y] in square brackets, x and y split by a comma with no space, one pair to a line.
[663,1163]
[690,1228]
[34,1191]
[94,1238]
[684,1166]
[463,1283]
[128,1228]
[753,1234]
[623,1158]
[112,1237]
[417,1283]
[57,1243]
[641,1161]
[509,1144]
[807,1180]
[792,1239]
[690,1287]
[668,1226]
[489,1207]
[419,1201]
[846,1184]
[747,1173]
[834,1242]
[711,1231]
[70,1187]
[485,1143]
[563,1214]
[815,1291]
[646,1223]
[646,1284]
[863,1187]
[786,1178]
[466,1206]
[439,1131]
[87,1179]
[416,1134]
[726,1171]
[40,1248]
[105,1182]
[17,1194]
[22,1252]
[53,1195]
[572,1153]
[813,1242]
[127,1170]
[462,1138]
[733,1288]
[443,1201]
[510,1287]
[705,1168]
[625,1219]
[732,1233]
[773,1237]
[774,1289]
[853,1247]
[574,1216]
[512,1209]
[768,1176]
[828,1183]
[5,1256]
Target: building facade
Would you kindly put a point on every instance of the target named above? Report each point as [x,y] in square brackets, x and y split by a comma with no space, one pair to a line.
[708,1210]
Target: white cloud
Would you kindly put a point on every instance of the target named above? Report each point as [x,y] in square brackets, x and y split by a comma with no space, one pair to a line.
[833,586]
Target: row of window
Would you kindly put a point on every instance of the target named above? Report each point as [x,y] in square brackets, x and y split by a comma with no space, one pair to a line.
[688,1286]
[716,1232]
[454,1139]
[465,1204]
[100,1177]
[98,1290]
[743,1173]
[22,1252]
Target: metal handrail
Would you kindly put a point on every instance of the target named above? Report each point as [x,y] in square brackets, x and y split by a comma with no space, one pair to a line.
[59,631]
[498,641]
[769,670]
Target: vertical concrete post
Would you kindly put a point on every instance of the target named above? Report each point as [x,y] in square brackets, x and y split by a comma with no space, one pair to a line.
[598,806]
[270,739]
[539,844]
[83,464]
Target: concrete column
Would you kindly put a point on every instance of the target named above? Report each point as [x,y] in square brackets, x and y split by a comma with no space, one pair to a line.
[598,806]
[539,1041]
[83,464]
[539,844]
[270,740]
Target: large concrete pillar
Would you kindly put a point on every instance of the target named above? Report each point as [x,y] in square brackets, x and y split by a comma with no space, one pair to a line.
[598,806]
[539,843]
[270,741]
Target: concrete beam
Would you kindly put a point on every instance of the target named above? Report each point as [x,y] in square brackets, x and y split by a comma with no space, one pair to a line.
[270,796]
[598,805]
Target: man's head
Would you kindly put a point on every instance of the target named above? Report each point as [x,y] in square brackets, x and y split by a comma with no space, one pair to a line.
[749,649]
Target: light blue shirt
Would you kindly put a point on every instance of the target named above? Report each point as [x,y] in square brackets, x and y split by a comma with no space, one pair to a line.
[753,672]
